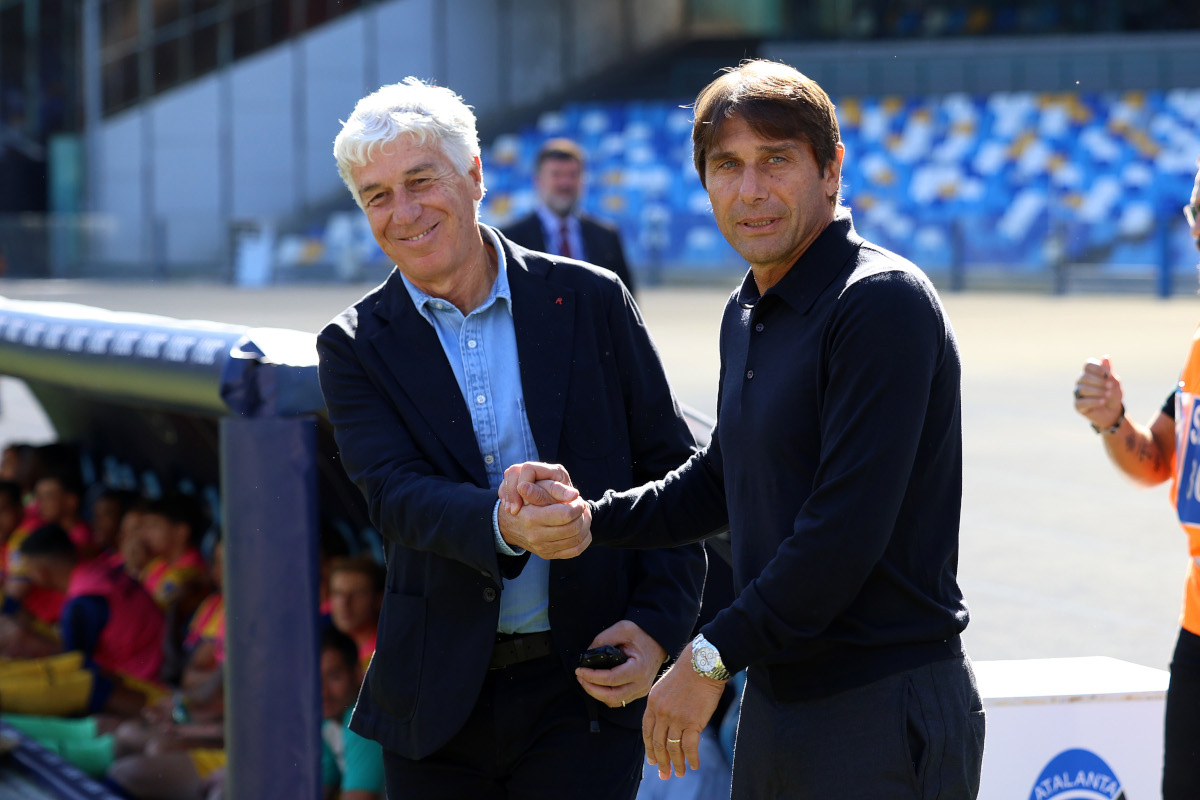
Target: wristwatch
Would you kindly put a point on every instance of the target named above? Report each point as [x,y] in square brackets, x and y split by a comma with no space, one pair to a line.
[706,660]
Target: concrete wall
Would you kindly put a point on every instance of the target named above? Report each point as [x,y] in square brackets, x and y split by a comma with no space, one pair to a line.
[254,141]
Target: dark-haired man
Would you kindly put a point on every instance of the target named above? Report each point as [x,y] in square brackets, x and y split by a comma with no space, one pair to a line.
[837,462]
[557,225]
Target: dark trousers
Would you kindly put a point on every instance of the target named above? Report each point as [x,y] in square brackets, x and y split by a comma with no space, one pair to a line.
[528,738]
[916,734]
[1181,751]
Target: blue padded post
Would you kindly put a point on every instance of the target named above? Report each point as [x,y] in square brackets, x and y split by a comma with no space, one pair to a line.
[272,678]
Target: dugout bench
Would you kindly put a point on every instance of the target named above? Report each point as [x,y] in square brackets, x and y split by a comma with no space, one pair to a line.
[232,414]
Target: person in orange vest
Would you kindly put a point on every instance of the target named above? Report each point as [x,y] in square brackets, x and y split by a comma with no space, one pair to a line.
[1150,455]
[176,575]
[111,631]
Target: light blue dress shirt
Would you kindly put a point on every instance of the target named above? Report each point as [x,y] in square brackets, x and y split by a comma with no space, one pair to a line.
[552,227]
[482,350]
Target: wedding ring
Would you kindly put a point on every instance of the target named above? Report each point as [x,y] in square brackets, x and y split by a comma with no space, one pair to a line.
[1078,394]
[674,741]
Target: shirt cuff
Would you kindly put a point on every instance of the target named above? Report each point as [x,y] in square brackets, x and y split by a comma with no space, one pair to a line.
[501,545]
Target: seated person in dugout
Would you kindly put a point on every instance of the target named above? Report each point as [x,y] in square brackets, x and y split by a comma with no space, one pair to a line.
[176,576]
[355,597]
[171,528]
[193,715]
[57,498]
[190,719]
[111,636]
[131,550]
[108,515]
[351,766]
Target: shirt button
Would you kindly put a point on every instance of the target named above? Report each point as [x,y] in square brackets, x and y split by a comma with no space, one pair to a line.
[471,344]
[749,374]
[480,399]
[488,459]
[758,327]
[489,594]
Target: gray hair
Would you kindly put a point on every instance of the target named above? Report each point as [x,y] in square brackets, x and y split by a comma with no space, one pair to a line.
[414,108]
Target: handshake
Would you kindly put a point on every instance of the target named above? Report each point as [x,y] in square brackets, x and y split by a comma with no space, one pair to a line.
[540,511]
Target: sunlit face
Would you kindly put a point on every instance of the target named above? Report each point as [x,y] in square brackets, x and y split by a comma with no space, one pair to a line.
[421,211]
[559,182]
[339,684]
[769,197]
[353,602]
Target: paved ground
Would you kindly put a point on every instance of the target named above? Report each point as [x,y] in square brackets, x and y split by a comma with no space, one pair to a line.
[1060,555]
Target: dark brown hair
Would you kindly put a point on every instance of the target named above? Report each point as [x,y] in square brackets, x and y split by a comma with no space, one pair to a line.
[776,101]
[362,565]
[561,150]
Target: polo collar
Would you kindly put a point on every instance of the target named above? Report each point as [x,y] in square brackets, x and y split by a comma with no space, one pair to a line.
[813,271]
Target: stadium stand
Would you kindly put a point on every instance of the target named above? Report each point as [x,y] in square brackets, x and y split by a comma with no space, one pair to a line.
[1013,181]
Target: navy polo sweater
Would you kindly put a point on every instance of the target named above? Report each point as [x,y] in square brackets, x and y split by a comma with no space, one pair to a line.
[837,463]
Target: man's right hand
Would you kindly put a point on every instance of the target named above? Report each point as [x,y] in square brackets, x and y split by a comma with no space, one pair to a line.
[558,530]
[1098,394]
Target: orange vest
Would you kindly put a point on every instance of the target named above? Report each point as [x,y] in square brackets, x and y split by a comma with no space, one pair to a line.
[1185,484]
[164,579]
[208,625]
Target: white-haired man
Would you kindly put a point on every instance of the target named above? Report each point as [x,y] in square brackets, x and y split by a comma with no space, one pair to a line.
[476,353]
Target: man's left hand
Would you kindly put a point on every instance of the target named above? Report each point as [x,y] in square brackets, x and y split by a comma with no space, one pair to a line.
[681,704]
[633,679]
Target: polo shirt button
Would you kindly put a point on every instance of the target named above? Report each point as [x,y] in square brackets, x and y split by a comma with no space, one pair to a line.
[480,399]
[488,459]
[749,374]
[471,344]
[489,594]
[758,327]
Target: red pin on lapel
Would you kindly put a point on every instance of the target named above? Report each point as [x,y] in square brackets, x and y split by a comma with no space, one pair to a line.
[558,302]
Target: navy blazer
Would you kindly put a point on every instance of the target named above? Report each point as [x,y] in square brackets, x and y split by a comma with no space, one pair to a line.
[601,243]
[598,402]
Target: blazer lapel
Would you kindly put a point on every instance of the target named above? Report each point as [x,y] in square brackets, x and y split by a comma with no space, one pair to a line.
[410,349]
[544,319]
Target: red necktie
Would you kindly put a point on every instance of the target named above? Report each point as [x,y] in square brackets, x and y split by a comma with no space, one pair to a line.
[564,247]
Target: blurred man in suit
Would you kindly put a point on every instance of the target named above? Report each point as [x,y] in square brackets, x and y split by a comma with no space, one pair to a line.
[557,226]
